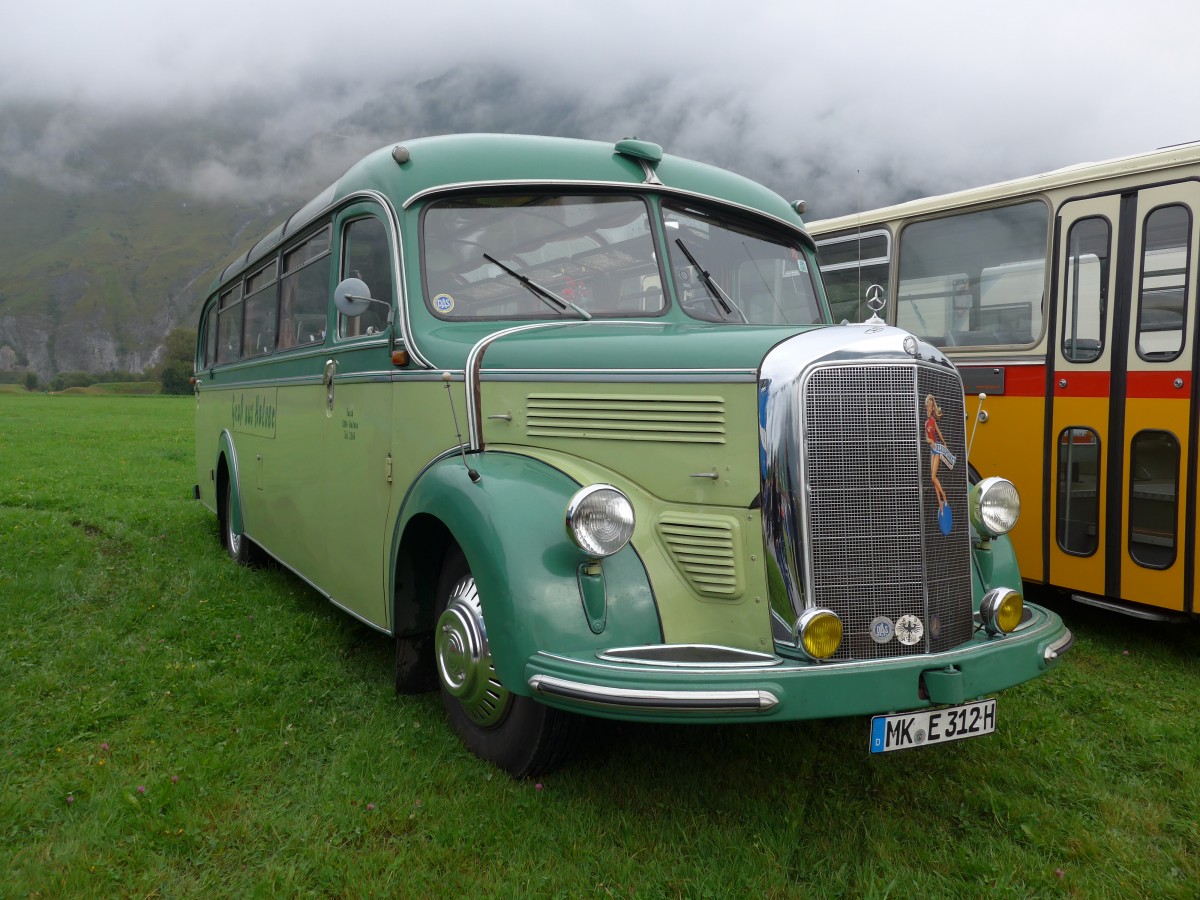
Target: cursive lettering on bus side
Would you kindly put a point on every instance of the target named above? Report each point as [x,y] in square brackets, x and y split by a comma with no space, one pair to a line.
[253,414]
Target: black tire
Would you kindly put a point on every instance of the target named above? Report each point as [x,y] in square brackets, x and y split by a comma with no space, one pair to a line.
[239,547]
[515,733]
[416,671]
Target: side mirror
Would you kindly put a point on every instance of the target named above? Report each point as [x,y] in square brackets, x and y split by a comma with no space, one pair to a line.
[352,297]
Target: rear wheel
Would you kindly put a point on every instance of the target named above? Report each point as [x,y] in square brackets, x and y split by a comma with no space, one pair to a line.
[517,734]
[237,545]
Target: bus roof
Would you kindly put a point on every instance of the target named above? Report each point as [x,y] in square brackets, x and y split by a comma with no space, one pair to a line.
[1081,173]
[406,171]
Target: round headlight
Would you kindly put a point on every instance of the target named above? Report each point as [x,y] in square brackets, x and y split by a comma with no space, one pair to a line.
[995,506]
[600,520]
[1000,610]
[818,633]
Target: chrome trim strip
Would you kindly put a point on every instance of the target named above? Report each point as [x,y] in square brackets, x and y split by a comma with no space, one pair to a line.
[1059,647]
[1129,609]
[294,381]
[753,659]
[472,370]
[542,373]
[658,701]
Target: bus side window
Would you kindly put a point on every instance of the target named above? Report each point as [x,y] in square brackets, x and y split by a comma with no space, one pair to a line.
[259,336]
[367,255]
[1078,525]
[304,292]
[1085,300]
[210,336]
[229,326]
[1162,299]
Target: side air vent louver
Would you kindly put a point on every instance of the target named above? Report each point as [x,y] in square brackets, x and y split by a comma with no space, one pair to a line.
[671,419]
[704,549]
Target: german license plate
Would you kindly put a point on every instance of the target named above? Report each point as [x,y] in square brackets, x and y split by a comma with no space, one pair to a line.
[932,726]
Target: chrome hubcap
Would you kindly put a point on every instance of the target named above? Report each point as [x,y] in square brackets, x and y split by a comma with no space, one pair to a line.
[464,661]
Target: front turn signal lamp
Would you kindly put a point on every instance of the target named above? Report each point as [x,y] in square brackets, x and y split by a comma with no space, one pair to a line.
[818,633]
[995,507]
[1001,610]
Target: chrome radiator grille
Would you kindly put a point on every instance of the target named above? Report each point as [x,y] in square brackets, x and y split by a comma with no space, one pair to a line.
[871,512]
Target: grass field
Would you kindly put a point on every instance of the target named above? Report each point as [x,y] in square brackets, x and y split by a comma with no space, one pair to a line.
[176,726]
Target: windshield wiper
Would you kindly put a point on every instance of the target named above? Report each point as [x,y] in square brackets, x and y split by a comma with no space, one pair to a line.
[547,296]
[719,298]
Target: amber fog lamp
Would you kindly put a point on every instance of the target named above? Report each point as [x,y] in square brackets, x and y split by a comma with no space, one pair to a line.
[818,633]
[1001,611]
[600,520]
[995,506]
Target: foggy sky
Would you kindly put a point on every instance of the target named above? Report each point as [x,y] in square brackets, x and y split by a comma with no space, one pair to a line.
[842,104]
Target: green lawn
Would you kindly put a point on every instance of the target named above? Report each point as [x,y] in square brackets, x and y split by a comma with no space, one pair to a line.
[177,726]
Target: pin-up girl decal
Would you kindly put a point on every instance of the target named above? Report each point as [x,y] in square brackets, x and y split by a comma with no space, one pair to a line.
[938,453]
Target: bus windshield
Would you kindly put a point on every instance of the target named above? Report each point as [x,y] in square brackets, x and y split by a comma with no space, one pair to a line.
[507,256]
[731,271]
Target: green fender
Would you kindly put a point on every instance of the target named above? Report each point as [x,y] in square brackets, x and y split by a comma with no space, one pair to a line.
[225,448]
[995,565]
[510,525]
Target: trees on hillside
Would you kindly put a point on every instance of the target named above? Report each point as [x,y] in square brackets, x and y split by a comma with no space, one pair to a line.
[175,370]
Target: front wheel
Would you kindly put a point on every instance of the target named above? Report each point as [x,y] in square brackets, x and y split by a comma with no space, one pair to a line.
[517,734]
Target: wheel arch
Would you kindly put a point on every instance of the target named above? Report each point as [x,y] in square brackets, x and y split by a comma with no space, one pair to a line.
[510,527]
[227,472]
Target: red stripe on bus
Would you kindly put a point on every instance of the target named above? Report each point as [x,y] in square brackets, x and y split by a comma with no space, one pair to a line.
[1142,385]
[1025,381]
[1081,384]
[1019,381]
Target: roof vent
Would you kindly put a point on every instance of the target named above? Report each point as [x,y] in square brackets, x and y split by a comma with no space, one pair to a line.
[632,147]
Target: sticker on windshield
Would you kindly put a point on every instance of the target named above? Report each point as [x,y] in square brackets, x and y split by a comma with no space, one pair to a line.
[802,265]
[443,303]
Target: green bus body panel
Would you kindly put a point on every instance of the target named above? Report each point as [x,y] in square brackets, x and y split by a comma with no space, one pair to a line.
[818,691]
[666,438]
[741,620]
[511,527]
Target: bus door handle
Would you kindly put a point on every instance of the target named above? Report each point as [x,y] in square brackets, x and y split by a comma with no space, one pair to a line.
[327,380]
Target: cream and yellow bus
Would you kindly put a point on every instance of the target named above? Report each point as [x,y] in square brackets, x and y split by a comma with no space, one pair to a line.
[1069,298]
[570,423]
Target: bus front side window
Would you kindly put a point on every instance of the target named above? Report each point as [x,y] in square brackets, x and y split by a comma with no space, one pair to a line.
[976,278]
[1085,294]
[367,255]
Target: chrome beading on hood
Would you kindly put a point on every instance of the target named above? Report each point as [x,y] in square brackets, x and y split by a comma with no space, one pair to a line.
[782,378]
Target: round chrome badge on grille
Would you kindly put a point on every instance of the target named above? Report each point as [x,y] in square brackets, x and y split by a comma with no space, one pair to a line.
[909,630]
[882,629]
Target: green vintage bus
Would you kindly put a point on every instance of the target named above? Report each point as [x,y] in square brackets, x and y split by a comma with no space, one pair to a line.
[570,422]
